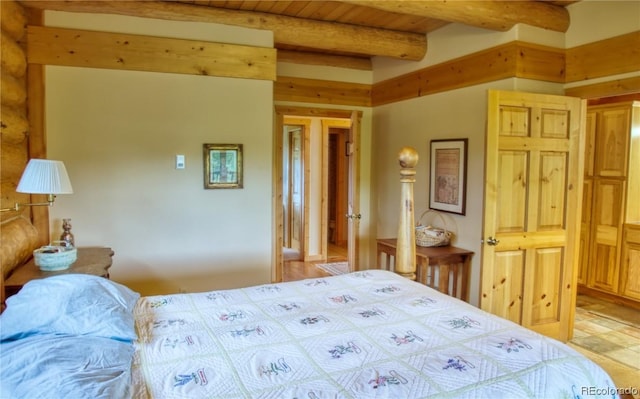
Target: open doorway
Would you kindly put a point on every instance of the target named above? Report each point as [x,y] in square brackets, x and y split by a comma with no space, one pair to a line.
[330,221]
[337,194]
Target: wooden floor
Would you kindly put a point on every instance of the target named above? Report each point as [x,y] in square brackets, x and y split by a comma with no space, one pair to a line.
[297,270]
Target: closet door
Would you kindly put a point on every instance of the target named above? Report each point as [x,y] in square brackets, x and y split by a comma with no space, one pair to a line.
[612,142]
[606,234]
[587,196]
[630,273]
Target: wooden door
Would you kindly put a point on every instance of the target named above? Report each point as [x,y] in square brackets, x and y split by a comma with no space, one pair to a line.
[533,185]
[631,262]
[587,197]
[353,201]
[613,142]
[296,190]
[606,225]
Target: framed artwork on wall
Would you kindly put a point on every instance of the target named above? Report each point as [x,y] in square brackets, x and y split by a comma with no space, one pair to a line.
[222,165]
[448,175]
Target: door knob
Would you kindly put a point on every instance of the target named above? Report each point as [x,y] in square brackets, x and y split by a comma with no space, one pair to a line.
[492,241]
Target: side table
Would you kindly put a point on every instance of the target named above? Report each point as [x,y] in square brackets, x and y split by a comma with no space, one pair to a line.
[443,268]
[91,260]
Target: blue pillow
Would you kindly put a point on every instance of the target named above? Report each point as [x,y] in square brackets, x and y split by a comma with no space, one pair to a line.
[57,366]
[70,304]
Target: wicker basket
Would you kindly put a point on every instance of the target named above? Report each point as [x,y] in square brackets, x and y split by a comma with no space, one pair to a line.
[54,257]
[429,236]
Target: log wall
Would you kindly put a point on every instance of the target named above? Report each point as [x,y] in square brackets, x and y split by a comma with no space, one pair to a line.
[18,236]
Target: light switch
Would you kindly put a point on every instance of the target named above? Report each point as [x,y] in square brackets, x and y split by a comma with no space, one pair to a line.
[179,161]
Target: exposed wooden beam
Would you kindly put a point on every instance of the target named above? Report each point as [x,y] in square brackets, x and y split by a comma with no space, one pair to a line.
[91,49]
[297,57]
[612,56]
[618,87]
[509,60]
[317,91]
[496,15]
[323,35]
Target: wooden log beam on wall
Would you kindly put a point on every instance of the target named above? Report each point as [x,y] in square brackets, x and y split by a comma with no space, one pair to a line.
[613,56]
[286,30]
[618,87]
[37,133]
[81,48]
[297,57]
[14,126]
[13,91]
[14,19]
[510,60]
[322,91]
[494,15]
[13,60]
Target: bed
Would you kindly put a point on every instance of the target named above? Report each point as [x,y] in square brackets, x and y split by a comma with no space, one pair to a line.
[366,334]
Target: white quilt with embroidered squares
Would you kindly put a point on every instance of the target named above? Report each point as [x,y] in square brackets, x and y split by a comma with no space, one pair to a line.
[370,334]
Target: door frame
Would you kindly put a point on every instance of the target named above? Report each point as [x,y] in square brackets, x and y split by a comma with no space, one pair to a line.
[305,125]
[292,111]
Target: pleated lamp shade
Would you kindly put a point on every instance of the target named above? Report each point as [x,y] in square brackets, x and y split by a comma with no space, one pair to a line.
[44,176]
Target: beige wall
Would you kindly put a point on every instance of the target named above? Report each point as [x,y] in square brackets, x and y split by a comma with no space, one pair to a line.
[118,133]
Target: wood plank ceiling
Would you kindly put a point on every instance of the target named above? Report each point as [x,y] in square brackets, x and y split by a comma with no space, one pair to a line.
[341,33]
[413,20]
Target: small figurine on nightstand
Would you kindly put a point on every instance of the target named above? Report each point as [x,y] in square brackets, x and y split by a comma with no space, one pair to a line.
[67,236]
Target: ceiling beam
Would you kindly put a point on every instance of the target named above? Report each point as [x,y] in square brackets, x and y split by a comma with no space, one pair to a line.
[331,36]
[499,15]
[338,61]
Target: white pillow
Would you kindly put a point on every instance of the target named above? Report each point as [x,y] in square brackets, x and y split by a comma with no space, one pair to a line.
[70,304]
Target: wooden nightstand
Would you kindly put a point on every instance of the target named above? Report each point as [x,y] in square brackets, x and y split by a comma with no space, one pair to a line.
[443,268]
[91,260]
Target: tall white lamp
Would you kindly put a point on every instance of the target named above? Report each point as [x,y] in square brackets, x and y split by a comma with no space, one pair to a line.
[43,176]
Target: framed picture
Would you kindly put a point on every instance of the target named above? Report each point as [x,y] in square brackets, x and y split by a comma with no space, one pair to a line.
[448,176]
[222,165]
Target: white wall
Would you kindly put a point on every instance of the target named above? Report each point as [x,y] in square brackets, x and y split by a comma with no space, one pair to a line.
[118,133]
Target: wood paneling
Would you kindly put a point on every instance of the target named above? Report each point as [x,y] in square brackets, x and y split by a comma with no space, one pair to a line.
[494,15]
[507,279]
[546,287]
[630,276]
[70,47]
[617,55]
[515,59]
[322,91]
[616,87]
[612,142]
[608,255]
[606,234]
